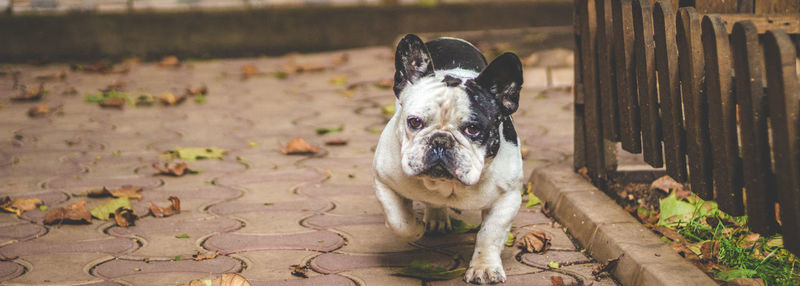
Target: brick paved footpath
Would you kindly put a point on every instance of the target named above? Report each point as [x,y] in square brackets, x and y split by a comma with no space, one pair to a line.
[261,209]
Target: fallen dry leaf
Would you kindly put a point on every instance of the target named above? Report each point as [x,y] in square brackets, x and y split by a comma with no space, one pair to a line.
[125,217]
[665,184]
[19,205]
[298,146]
[168,98]
[534,242]
[169,61]
[126,191]
[39,110]
[173,208]
[177,170]
[336,142]
[203,256]
[249,70]
[559,281]
[197,90]
[116,85]
[606,267]
[228,279]
[74,213]
[583,171]
[114,102]
[31,94]
[299,271]
[710,249]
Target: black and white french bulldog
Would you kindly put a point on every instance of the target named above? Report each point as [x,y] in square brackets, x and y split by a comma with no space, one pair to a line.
[451,144]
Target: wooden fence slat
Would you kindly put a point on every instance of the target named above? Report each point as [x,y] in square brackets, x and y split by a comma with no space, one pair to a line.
[625,74]
[722,116]
[605,69]
[784,113]
[579,145]
[692,69]
[644,48]
[753,117]
[669,90]
[593,129]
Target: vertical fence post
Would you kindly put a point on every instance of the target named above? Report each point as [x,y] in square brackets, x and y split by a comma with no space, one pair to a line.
[579,143]
[644,48]
[605,68]
[784,113]
[626,77]
[669,90]
[753,117]
[692,69]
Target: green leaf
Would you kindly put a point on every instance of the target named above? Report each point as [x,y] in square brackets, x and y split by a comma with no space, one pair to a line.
[733,274]
[553,265]
[199,98]
[460,226]
[94,97]
[322,131]
[776,241]
[183,235]
[178,258]
[533,200]
[44,209]
[103,211]
[510,239]
[425,270]
[198,153]
[674,211]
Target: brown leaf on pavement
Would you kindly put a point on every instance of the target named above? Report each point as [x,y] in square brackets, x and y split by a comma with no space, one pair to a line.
[298,146]
[114,102]
[336,142]
[665,184]
[169,61]
[168,98]
[40,110]
[299,271]
[228,279]
[116,85]
[19,205]
[534,242]
[559,281]
[173,208]
[31,94]
[125,217]
[606,267]
[197,90]
[74,213]
[584,172]
[177,170]
[249,70]
[203,256]
[127,191]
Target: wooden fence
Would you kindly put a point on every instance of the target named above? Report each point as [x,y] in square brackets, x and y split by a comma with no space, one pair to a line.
[712,95]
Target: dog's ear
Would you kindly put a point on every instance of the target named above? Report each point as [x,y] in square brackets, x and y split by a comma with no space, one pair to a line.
[412,61]
[503,79]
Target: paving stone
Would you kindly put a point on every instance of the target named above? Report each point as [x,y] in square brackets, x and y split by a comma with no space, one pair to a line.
[446,240]
[296,176]
[59,268]
[463,254]
[123,268]
[356,205]
[538,279]
[193,198]
[326,221]
[20,232]
[338,262]
[530,216]
[380,276]
[275,264]
[9,270]
[82,184]
[371,238]
[37,247]
[326,189]
[559,239]
[273,222]
[159,234]
[583,272]
[238,206]
[562,257]
[323,241]
[311,281]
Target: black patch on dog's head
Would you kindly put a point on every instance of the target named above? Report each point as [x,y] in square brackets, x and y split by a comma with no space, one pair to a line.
[412,61]
[503,79]
[451,81]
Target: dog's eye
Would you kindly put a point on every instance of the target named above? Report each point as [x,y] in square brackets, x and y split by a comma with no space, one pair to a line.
[414,122]
[472,130]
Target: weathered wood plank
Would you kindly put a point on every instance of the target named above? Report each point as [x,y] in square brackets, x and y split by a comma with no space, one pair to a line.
[753,117]
[714,6]
[593,128]
[692,72]
[777,6]
[669,90]
[605,68]
[784,113]
[630,128]
[644,48]
[722,116]
[579,145]
[788,22]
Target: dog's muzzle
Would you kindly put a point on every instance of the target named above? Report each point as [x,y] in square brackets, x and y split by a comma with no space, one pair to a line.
[439,156]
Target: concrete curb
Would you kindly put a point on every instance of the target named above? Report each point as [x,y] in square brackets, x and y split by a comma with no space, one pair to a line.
[607,231]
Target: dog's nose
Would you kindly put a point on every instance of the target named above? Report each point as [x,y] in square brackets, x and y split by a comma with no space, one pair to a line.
[441,141]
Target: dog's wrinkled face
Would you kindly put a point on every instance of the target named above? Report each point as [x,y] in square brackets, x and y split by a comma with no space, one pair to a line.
[449,120]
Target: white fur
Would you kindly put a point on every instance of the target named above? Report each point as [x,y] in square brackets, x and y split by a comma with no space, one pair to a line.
[493,185]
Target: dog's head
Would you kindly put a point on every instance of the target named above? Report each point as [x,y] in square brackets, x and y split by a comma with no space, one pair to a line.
[449,120]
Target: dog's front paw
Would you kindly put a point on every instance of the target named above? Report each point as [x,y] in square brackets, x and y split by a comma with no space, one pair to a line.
[409,232]
[437,221]
[485,274]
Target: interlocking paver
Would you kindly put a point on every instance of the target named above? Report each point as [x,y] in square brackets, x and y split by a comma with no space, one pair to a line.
[261,209]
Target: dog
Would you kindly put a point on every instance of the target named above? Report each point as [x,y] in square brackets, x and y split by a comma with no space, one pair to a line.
[451,143]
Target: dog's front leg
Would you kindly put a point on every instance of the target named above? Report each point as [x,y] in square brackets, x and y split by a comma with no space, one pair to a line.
[486,266]
[399,213]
